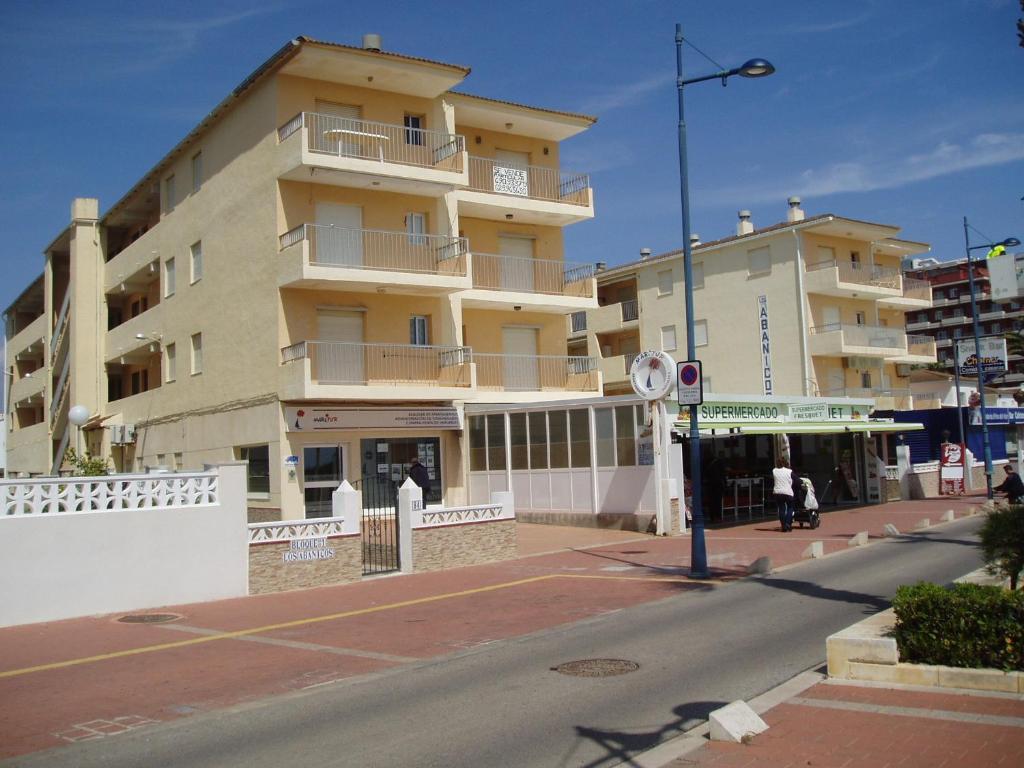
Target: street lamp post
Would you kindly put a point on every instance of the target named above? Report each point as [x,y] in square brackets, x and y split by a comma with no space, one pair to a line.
[1009,242]
[752,68]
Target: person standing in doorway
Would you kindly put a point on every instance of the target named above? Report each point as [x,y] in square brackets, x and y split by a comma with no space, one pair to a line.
[782,477]
[420,476]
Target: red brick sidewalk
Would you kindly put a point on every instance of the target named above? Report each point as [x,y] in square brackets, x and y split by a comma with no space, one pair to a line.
[856,726]
[85,678]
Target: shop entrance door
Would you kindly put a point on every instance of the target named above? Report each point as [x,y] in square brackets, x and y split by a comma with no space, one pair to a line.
[323,469]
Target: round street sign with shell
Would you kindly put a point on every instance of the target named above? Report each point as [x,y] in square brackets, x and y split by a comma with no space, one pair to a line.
[652,374]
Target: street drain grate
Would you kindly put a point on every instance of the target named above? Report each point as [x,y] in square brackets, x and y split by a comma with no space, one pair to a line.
[597,667]
[148,618]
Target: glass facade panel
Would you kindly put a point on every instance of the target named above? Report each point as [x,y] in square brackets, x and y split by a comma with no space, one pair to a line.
[558,431]
[258,471]
[579,431]
[625,435]
[517,440]
[603,418]
[538,440]
[496,459]
[477,444]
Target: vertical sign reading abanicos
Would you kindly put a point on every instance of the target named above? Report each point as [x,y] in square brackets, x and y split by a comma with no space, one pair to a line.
[764,337]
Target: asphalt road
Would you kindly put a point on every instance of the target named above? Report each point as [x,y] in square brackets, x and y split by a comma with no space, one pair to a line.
[502,705]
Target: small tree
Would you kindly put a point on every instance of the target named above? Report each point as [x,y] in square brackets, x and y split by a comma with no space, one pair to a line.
[1002,542]
[86,465]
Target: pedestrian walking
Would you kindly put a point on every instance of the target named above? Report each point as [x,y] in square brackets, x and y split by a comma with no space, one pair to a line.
[1012,486]
[782,477]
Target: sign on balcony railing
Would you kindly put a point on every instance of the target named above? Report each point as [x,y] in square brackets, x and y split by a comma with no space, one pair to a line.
[511,181]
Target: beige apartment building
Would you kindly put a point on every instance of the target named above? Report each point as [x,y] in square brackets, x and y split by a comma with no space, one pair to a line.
[811,306]
[316,279]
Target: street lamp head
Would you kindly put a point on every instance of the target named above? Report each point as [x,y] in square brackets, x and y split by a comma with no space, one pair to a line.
[757,68]
[1010,242]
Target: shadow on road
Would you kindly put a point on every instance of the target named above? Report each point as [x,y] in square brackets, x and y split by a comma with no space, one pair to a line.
[621,746]
[871,603]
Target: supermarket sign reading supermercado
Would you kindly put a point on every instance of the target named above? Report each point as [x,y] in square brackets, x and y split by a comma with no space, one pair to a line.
[762,413]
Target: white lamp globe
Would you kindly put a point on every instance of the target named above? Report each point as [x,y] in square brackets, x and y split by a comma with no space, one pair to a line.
[78,415]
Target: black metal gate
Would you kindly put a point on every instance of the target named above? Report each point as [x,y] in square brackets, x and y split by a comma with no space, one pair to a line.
[380,526]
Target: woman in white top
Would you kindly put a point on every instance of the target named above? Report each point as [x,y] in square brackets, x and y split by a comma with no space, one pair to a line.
[783,492]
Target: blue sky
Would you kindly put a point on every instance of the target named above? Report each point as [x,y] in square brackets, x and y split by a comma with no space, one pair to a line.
[899,111]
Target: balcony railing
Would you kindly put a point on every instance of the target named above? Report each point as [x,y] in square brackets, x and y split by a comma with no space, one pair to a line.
[340,362]
[535,373]
[578,321]
[61,326]
[331,246]
[533,181]
[876,392]
[920,345]
[864,335]
[917,289]
[630,310]
[383,142]
[862,274]
[549,276]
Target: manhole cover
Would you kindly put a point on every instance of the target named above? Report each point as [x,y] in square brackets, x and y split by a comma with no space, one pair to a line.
[148,618]
[597,667]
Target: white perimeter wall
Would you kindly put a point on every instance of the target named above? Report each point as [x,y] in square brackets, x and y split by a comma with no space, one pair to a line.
[59,566]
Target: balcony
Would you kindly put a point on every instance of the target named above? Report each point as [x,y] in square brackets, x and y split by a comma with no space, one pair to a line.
[28,342]
[368,260]
[955,320]
[28,449]
[357,153]
[837,340]
[886,399]
[122,345]
[916,294]
[28,390]
[336,370]
[919,325]
[523,377]
[532,194]
[612,318]
[992,314]
[920,350]
[538,285]
[849,279]
[615,369]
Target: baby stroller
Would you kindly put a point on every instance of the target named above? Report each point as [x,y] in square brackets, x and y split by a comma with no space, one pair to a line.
[806,505]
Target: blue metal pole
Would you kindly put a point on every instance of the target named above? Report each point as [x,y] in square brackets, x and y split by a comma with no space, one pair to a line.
[977,357]
[698,547]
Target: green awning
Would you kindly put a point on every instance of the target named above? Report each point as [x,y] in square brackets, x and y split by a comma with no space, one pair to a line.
[798,427]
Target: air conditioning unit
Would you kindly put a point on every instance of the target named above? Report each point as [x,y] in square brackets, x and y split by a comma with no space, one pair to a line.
[129,434]
[117,434]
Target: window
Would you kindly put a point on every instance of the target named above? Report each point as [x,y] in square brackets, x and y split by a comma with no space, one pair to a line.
[826,254]
[996,328]
[759,261]
[196,253]
[625,436]
[605,437]
[418,333]
[665,282]
[559,435]
[496,442]
[941,335]
[861,318]
[169,199]
[865,380]
[922,317]
[668,338]
[958,332]
[197,353]
[579,434]
[477,444]
[414,129]
[257,474]
[697,273]
[170,362]
[538,440]
[138,306]
[178,462]
[416,226]
[700,333]
[855,257]
[517,440]
[197,171]
[169,277]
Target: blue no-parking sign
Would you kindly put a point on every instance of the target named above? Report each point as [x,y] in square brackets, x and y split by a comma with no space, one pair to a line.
[689,383]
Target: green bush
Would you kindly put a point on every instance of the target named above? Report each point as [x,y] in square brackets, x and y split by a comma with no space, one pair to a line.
[968,625]
[1002,542]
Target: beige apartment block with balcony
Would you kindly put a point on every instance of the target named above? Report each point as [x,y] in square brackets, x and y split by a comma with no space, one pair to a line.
[316,279]
[829,290]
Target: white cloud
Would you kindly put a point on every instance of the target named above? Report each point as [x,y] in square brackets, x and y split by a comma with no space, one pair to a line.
[852,176]
[626,94]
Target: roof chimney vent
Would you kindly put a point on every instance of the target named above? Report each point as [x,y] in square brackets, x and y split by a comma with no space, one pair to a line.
[371,42]
[795,212]
[745,225]
[694,239]
[645,254]
[601,266]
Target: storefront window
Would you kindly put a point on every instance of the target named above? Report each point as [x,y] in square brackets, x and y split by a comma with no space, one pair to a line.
[477,444]
[579,431]
[496,442]
[625,433]
[517,440]
[538,440]
[559,435]
[605,437]
[258,471]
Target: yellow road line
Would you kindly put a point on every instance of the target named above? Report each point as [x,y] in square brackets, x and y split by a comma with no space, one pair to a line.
[310,620]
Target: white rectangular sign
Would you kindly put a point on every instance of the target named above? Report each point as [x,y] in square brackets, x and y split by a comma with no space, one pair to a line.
[993,355]
[310,419]
[765,342]
[1006,276]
